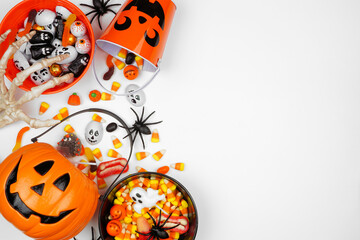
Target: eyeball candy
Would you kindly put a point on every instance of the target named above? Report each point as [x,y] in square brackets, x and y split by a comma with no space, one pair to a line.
[63,12]
[44,17]
[65,50]
[83,45]
[137,99]
[78,28]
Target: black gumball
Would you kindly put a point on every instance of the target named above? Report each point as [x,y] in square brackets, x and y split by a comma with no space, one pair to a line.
[130,58]
[41,37]
[111,127]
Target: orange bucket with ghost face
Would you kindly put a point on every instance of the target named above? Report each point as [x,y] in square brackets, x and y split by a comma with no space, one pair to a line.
[141,27]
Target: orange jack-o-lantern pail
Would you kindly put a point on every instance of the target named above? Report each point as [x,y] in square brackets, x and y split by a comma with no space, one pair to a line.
[142,27]
[44,195]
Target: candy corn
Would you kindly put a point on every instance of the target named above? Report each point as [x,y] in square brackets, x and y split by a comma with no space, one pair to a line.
[167,207]
[155,136]
[106,96]
[101,183]
[141,155]
[122,53]
[97,118]
[19,138]
[63,114]
[58,117]
[69,129]
[170,195]
[44,106]
[97,153]
[91,175]
[158,155]
[116,142]
[82,166]
[163,170]
[115,86]
[114,154]
[178,166]
[119,64]
[140,169]
[139,61]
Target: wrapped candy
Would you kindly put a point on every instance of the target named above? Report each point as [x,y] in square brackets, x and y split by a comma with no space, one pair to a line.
[79,64]
[65,50]
[59,28]
[41,37]
[41,51]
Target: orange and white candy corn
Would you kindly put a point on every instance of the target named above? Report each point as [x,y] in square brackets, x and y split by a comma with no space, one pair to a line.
[64,112]
[155,136]
[119,64]
[114,154]
[44,106]
[115,86]
[141,155]
[101,183]
[106,96]
[97,118]
[97,153]
[178,166]
[158,155]
[69,129]
[140,169]
[122,53]
[116,142]
[139,62]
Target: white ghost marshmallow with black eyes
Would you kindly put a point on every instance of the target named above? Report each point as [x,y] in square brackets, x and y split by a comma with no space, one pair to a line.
[41,76]
[63,50]
[94,132]
[145,199]
[20,61]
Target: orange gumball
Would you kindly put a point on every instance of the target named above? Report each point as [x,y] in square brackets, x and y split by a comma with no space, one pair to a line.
[131,72]
[118,212]
[113,228]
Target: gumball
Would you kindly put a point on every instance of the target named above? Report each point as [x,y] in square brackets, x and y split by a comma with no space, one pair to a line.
[72,39]
[83,45]
[131,72]
[55,70]
[78,28]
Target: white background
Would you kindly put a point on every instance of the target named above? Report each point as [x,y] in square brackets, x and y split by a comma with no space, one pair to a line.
[260,99]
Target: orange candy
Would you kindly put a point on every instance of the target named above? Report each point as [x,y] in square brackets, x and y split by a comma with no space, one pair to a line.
[113,228]
[163,170]
[43,108]
[131,72]
[19,138]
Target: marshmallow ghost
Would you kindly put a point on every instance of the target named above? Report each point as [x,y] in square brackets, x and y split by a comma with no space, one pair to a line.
[145,199]
[94,132]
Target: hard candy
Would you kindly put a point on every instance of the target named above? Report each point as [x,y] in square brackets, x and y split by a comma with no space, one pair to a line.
[20,61]
[41,76]
[78,28]
[83,45]
[41,51]
[79,64]
[41,37]
[65,50]
[44,17]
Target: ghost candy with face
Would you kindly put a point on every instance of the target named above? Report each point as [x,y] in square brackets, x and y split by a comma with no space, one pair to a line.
[44,17]
[94,132]
[145,199]
[41,51]
[41,76]
[79,64]
[65,50]
[20,61]
[56,43]
[42,37]
[138,98]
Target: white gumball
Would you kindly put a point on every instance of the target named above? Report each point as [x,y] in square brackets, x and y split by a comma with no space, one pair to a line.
[145,199]
[44,17]
[94,132]
[65,50]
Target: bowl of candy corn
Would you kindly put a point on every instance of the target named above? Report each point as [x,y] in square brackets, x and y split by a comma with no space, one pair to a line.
[148,205]
[61,27]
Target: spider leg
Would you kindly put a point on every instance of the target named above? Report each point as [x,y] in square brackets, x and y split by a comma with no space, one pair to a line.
[136,135]
[159,219]
[105,3]
[92,19]
[131,132]
[166,220]
[142,115]
[153,123]
[144,234]
[112,5]
[125,127]
[90,12]
[99,23]
[157,238]
[168,228]
[151,237]
[112,11]
[137,117]
[148,116]
[142,140]
[92,233]
[152,218]
[86,5]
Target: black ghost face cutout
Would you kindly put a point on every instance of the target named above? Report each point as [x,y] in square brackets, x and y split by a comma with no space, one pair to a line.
[16,202]
[148,13]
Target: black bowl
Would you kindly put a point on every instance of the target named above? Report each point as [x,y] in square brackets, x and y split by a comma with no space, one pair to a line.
[107,203]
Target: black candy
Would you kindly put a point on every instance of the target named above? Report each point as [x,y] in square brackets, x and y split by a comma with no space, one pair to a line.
[41,37]
[130,58]
[41,51]
[79,64]
[111,127]
[59,29]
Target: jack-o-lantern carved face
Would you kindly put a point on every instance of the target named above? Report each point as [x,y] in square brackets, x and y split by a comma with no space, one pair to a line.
[42,193]
[142,14]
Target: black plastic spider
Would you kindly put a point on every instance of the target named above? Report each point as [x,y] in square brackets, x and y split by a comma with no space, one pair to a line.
[99,8]
[158,231]
[140,126]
